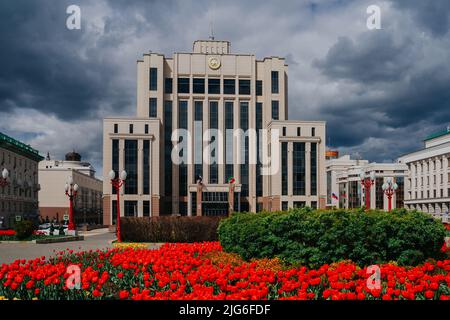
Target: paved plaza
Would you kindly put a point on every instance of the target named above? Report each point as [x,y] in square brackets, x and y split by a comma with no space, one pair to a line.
[95,239]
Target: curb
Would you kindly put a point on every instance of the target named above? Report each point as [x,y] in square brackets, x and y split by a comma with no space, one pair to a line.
[63,239]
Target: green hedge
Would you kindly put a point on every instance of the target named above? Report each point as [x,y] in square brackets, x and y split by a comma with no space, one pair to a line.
[169,229]
[24,229]
[313,238]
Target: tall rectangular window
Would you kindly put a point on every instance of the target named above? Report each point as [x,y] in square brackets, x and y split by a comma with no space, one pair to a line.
[131,156]
[244,167]
[259,87]
[198,85]
[183,85]
[259,125]
[146,208]
[298,168]
[229,119]
[131,129]
[275,110]
[167,147]
[198,141]
[152,109]
[168,83]
[153,79]
[146,129]
[116,128]
[214,86]
[115,160]
[274,81]
[229,86]
[313,132]
[182,124]
[313,160]
[244,87]
[284,168]
[213,124]
[146,167]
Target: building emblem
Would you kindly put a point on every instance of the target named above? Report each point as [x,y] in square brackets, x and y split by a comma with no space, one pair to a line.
[214,63]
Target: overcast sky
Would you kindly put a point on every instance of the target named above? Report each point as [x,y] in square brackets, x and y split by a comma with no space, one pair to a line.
[380,91]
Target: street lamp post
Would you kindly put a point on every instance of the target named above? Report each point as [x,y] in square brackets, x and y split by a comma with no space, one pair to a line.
[71,191]
[389,188]
[367,183]
[117,184]
[4,178]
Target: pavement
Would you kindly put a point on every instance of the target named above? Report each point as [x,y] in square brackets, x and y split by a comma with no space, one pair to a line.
[94,239]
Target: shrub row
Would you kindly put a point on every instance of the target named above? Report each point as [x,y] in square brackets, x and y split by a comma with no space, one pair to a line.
[169,229]
[314,238]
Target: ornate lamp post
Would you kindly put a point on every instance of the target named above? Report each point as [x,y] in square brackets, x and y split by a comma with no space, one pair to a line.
[117,183]
[71,192]
[367,183]
[4,178]
[389,189]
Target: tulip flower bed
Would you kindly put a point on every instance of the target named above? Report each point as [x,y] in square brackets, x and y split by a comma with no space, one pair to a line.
[204,271]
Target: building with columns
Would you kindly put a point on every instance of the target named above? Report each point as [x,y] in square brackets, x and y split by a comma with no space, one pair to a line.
[427,188]
[212,88]
[19,192]
[344,174]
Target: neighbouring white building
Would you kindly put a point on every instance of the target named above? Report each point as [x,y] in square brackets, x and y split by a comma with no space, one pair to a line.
[427,188]
[345,190]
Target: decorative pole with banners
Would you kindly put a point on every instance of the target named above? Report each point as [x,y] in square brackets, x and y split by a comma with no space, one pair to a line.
[200,186]
[117,184]
[231,183]
[71,192]
[367,183]
[389,189]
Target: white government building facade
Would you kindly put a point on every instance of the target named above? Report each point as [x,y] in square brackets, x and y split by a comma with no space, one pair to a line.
[220,90]
[428,186]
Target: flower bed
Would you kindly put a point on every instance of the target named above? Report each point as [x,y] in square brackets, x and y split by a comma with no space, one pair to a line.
[203,271]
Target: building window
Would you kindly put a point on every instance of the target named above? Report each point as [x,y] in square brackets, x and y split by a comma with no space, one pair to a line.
[116,128]
[183,85]
[131,156]
[198,85]
[284,168]
[298,168]
[244,87]
[259,87]
[168,83]
[146,129]
[244,167]
[198,141]
[259,125]
[146,208]
[275,110]
[131,129]
[313,159]
[299,204]
[153,80]
[229,119]
[213,124]
[115,160]
[284,131]
[130,208]
[284,206]
[379,198]
[168,147]
[229,86]
[182,124]
[152,111]
[299,131]
[146,165]
[399,195]
[214,86]
[274,81]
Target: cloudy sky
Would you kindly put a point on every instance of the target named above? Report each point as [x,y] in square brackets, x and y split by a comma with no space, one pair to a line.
[380,91]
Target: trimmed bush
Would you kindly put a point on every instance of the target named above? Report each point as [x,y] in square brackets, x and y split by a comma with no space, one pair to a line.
[169,229]
[314,238]
[24,229]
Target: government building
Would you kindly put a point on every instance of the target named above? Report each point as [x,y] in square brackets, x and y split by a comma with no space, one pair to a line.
[19,191]
[54,204]
[428,184]
[212,88]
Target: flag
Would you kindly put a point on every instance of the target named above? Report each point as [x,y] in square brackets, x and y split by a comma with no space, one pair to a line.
[334,196]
